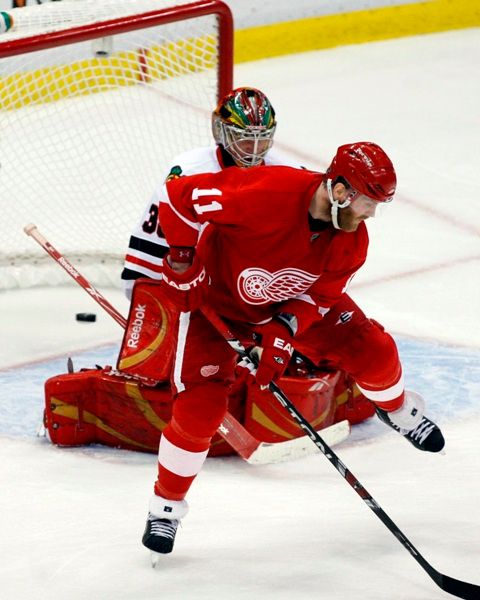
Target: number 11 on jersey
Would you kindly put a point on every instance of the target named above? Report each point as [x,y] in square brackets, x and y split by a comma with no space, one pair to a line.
[211,206]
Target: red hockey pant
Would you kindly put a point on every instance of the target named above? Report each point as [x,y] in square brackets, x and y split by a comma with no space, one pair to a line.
[346,339]
[204,368]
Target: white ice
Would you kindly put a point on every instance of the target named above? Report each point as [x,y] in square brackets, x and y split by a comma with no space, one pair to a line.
[71,520]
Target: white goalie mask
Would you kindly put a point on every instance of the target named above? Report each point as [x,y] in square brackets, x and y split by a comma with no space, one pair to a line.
[244,125]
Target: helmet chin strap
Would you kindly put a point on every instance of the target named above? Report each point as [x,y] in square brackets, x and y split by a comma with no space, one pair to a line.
[335,205]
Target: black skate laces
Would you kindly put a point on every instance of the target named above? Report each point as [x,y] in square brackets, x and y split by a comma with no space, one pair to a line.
[422,430]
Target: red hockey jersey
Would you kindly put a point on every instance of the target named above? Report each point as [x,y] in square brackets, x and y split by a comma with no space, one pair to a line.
[260,250]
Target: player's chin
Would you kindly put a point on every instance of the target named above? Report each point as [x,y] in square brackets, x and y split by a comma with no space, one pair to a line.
[351,226]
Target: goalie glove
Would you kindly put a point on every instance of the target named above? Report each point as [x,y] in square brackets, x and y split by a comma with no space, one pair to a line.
[185,289]
[276,348]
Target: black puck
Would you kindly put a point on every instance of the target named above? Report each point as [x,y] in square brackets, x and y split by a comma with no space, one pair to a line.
[90,317]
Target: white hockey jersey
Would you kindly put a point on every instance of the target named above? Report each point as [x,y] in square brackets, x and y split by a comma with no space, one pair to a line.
[147,246]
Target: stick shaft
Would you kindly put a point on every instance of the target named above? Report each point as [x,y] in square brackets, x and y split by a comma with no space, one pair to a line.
[461,589]
[58,257]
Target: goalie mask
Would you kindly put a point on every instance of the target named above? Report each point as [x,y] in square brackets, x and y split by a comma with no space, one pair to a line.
[365,168]
[244,124]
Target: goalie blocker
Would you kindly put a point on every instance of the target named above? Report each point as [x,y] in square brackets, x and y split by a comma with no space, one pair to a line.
[147,346]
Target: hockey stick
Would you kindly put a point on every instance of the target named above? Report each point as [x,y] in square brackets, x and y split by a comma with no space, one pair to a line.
[460,589]
[57,256]
[233,432]
[261,453]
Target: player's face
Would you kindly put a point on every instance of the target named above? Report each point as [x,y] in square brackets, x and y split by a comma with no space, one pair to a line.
[359,210]
[250,147]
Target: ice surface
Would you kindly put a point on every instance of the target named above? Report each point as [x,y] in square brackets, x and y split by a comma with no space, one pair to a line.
[71,520]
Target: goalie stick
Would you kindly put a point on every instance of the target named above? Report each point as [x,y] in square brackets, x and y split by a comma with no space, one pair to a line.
[456,587]
[232,431]
[261,453]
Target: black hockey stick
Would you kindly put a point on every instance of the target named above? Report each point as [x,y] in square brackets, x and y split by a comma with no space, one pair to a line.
[460,589]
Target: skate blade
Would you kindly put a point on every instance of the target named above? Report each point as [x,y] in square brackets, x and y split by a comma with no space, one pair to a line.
[155,558]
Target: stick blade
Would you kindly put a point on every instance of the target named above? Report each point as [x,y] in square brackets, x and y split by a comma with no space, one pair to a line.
[267,453]
[460,589]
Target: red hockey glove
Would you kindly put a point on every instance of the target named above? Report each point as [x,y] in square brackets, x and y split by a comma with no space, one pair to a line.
[245,369]
[277,348]
[187,290]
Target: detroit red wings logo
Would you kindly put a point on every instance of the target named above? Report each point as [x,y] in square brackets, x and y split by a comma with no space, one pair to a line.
[257,286]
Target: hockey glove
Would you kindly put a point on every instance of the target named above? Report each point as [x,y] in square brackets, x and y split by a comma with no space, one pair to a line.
[246,369]
[186,290]
[276,350]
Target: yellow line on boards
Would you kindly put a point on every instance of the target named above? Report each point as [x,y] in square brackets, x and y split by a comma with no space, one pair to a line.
[357,27]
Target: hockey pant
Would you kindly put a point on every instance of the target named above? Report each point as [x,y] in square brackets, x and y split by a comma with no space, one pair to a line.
[204,367]
[346,339]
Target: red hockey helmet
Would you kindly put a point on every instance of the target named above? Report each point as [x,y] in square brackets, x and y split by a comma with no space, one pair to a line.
[366,168]
[244,124]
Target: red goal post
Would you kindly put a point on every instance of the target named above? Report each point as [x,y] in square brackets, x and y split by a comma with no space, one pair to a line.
[96,98]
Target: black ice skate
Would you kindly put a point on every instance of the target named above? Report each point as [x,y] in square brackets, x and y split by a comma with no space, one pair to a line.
[159,535]
[163,518]
[425,436]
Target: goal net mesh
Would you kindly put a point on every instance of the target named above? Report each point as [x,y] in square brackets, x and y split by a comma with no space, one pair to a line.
[87,129]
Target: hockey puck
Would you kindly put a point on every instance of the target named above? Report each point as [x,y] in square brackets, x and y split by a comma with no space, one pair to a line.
[89,317]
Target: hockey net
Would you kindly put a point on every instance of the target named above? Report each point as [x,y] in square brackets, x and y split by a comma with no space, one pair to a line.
[96,98]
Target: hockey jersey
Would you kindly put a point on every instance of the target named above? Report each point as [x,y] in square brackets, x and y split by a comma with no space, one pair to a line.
[261,250]
[147,245]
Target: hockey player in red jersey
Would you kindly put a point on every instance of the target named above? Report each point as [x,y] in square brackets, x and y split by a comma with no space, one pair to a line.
[281,247]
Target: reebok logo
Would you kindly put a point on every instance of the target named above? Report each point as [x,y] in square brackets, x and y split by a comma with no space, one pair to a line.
[66,265]
[135,327]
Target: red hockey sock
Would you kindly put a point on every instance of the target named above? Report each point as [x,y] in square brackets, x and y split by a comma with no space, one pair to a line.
[185,441]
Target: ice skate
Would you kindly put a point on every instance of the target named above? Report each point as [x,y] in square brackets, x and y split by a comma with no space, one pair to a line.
[410,422]
[159,536]
[161,528]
